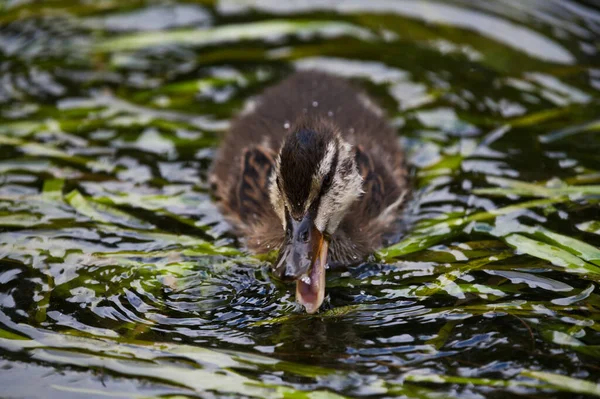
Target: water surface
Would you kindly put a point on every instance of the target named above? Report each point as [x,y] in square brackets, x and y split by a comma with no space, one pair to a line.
[119,278]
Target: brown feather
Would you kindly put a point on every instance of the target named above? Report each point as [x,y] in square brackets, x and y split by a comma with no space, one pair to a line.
[240,173]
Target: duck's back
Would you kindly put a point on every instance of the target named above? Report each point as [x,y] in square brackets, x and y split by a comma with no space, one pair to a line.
[307,94]
[250,147]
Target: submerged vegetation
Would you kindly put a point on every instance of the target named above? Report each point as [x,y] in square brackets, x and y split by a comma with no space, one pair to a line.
[118,276]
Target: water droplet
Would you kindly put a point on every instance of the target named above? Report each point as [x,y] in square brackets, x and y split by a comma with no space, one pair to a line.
[315,104]
[286,125]
[305,279]
[329,113]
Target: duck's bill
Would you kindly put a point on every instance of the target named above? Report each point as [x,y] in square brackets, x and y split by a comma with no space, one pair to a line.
[310,288]
[302,258]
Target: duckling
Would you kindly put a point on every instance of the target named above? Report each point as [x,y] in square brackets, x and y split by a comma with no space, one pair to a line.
[313,169]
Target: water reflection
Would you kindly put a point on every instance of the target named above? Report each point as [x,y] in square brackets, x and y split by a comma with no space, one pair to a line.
[501,30]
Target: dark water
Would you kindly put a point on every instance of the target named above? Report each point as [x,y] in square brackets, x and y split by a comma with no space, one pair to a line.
[118,277]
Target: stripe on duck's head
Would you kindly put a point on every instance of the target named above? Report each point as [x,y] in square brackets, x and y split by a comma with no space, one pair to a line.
[315,174]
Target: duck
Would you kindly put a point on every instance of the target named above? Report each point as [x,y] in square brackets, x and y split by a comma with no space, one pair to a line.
[313,169]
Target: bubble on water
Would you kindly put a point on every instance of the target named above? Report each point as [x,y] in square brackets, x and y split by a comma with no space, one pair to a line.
[162,101]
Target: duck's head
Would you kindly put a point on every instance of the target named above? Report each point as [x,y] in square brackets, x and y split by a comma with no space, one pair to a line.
[314,182]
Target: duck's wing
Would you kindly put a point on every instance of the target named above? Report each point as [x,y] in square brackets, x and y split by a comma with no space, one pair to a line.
[243,197]
[373,199]
[375,214]
[252,190]
[241,186]
[259,224]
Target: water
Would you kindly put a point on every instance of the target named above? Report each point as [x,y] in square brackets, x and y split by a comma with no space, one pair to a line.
[118,277]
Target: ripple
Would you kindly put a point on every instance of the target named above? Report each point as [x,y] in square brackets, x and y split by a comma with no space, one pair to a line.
[519,37]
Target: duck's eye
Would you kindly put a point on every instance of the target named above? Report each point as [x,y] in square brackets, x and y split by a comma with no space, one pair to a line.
[326,181]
